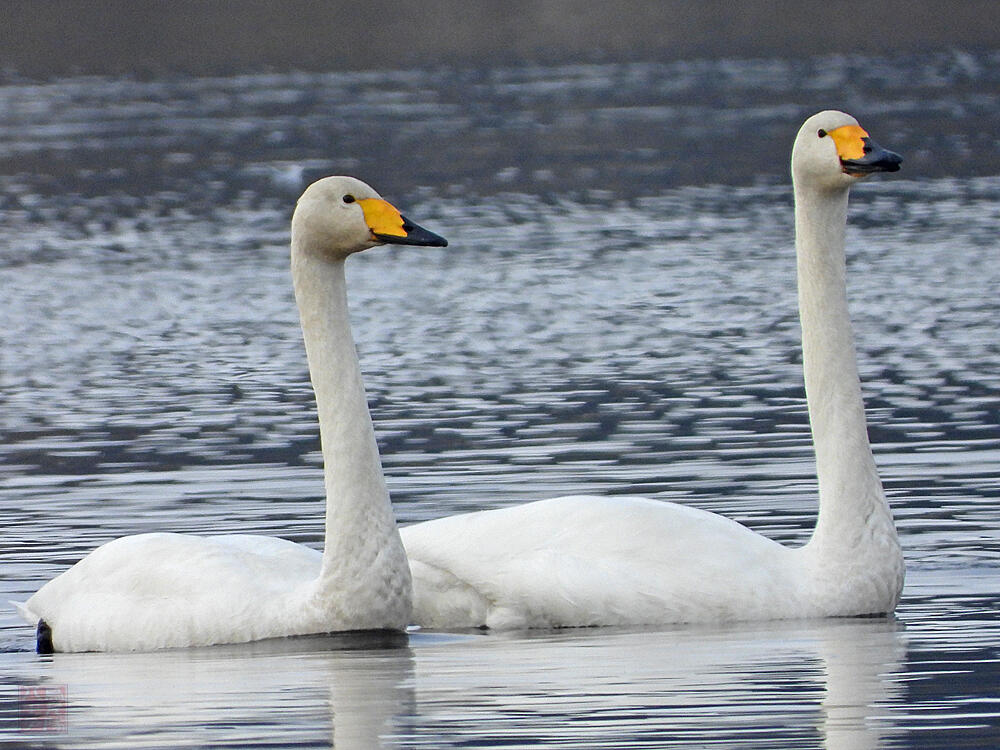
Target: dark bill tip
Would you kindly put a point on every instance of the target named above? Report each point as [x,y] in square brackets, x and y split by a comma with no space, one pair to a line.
[415,235]
[876,159]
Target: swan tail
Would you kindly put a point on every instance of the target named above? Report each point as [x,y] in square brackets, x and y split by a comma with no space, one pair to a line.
[43,638]
[43,633]
[26,614]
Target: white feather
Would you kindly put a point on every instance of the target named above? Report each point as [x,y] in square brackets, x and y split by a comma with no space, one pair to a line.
[168,590]
[578,561]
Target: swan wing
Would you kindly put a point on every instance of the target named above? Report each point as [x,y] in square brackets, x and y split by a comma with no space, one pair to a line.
[161,590]
[586,561]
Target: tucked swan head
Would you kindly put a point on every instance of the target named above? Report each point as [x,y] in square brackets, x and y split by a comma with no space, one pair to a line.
[833,151]
[338,216]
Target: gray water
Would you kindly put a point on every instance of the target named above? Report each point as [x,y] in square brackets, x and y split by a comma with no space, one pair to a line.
[616,314]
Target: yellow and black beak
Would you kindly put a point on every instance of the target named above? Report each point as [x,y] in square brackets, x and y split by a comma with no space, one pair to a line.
[859,154]
[389,226]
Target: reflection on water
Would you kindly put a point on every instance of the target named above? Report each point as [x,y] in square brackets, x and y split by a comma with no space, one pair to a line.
[615,314]
[801,685]
[865,683]
[311,690]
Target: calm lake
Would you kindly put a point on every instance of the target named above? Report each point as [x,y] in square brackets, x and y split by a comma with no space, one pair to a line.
[615,314]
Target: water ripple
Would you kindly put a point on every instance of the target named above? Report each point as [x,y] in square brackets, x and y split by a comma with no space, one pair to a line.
[615,314]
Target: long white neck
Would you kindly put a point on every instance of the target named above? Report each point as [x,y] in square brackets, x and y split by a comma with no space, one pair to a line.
[852,506]
[359,522]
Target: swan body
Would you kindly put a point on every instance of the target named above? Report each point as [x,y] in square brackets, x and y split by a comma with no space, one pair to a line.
[589,561]
[162,590]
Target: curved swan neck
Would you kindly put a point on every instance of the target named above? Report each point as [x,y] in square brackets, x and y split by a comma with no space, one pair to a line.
[359,516]
[851,499]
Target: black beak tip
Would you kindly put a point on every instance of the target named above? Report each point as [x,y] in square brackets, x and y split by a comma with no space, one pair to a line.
[415,235]
[877,160]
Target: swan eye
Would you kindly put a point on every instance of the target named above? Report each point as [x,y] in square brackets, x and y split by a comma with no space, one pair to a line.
[348,198]
[821,133]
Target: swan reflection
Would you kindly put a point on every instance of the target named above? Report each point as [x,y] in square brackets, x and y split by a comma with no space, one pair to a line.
[826,683]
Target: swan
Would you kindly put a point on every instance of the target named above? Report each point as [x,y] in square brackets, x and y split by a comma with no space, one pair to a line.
[163,590]
[599,561]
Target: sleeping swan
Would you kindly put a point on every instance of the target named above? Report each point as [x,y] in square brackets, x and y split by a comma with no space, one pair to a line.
[161,590]
[586,561]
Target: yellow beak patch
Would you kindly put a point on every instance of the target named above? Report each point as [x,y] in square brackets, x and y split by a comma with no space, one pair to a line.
[382,217]
[849,141]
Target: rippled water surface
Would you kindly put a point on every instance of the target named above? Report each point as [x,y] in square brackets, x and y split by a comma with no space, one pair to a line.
[615,314]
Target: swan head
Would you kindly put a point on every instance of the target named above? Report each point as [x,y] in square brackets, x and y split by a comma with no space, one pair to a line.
[338,216]
[832,150]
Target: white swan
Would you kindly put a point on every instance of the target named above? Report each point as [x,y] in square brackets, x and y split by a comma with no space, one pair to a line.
[163,590]
[584,561]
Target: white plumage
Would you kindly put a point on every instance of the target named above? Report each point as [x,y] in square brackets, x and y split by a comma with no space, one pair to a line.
[582,561]
[159,590]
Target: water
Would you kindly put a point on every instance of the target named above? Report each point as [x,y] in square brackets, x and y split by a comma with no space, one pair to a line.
[615,314]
